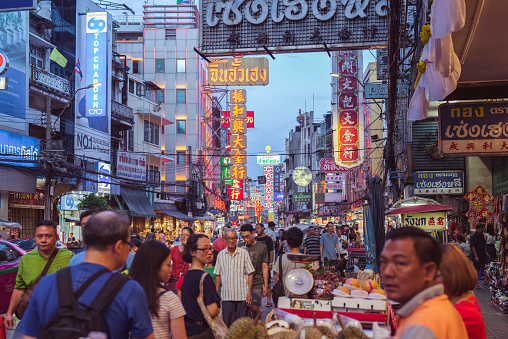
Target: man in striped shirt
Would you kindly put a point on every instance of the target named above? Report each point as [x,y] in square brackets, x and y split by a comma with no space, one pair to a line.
[311,245]
[234,271]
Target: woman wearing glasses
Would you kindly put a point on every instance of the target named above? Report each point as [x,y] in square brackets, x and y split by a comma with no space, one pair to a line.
[151,268]
[179,266]
[198,252]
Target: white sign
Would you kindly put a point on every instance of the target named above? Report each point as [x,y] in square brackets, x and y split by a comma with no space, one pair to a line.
[104,177]
[69,202]
[334,177]
[269,159]
[131,166]
[333,186]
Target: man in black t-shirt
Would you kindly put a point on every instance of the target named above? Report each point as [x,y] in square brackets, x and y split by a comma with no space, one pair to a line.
[478,247]
[262,237]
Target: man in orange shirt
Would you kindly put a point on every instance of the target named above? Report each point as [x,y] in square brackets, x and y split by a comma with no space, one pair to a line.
[409,263]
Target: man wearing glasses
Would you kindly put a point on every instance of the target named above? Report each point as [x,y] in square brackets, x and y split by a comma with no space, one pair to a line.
[234,271]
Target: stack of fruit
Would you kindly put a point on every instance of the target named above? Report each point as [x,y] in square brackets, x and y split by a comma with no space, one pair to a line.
[324,283]
[353,287]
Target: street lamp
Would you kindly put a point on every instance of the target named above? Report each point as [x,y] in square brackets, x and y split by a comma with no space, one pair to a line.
[97,84]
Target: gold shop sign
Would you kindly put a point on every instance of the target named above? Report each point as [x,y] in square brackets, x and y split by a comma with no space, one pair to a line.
[238,72]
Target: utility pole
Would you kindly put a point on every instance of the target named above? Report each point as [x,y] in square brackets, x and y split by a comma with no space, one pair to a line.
[189,180]
[48,174]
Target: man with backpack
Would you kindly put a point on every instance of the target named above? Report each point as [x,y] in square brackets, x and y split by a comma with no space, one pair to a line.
[89,297]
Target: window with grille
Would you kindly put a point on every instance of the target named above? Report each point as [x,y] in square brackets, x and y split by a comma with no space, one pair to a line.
[37,56]
[151,132]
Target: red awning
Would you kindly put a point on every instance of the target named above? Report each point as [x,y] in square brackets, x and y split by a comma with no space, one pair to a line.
[418,209]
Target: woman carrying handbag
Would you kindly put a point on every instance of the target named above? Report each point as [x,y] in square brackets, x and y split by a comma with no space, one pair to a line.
[199,295]
[179,265]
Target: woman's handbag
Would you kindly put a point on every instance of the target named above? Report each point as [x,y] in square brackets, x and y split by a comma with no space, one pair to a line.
[25,298]
[171,283]
[216,324]
[278,287]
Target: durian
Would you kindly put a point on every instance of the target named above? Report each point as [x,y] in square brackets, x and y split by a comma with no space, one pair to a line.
[351,332]
[312,333]
[244,328]
[284,334]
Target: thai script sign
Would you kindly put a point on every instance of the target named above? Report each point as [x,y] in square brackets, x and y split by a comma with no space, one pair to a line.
[268,159]
[131,166]
[438,182]
[473,128]
[302,197]
[96,65]
[19,150]
[238,26]
[27,199]
[347,139]
[329,166]
[426,221]
[238,72]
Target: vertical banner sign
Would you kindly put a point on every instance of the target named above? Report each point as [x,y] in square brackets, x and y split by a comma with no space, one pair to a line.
[347,139]
[96,66]
[238,137]
[277,170]
[269,187]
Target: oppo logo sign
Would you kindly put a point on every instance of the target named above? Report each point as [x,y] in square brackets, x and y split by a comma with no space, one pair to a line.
[4,63]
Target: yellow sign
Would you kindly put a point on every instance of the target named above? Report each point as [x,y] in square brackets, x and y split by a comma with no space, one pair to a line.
[239,172]
[426,221]
[238,126]
[237,112]
[238,72]
[238,96]
[238,141]
[239,157]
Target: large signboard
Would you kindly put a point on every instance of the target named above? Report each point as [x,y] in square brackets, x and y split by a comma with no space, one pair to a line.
[17,5]
[238,72]
[19,150]
[237,26]
[329,166]
[426,221]
[225,121]
[302,197]
[131,166]
[439,182]
[93,106]
[268,159]
[348,121]
[473,128]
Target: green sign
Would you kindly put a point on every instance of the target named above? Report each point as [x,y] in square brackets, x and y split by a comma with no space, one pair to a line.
[226,172]
[228,182]
[302,197]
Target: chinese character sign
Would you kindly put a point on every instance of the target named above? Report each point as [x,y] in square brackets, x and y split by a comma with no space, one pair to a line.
[225,119]
[277,171]
[348,140]
[426,221]
[238,96]
[268,170]
[238,137]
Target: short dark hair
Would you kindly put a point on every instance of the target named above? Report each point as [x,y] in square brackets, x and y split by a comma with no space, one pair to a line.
[427,248]
[460,238]
[294,237]
[136,242]
[271,224]
[191,245]
[247,228]
[191,231]
[48,223]
[86,213]
[106,228]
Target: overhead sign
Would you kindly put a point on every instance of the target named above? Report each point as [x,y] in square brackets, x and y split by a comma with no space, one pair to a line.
[329,166]
[17,5]
[438,182]
[268,159]
[237,72]
[380,91]
[426,221]
[131,166]
[334,177]
[333,186]
[225,121]
[235,26]
[19,150]
[302,197]
[473,128]
[96,70]
[104,177]
[238,96]
[70,201]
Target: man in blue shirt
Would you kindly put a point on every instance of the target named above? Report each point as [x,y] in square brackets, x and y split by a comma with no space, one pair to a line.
[107,236]
[329,247]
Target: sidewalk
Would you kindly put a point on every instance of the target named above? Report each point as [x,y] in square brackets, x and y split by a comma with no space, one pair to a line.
[495,321]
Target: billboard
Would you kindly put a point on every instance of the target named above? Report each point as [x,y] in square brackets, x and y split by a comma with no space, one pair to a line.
[438,182]
[19,150]
[94,51]
[131,166]
[17,5]
[237,72]
[239,27]
[225,119]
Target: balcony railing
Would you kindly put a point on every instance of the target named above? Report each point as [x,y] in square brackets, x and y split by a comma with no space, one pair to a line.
[153,176]
[122,113]
[50,81]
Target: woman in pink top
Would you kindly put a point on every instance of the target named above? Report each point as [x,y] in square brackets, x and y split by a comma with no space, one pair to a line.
[459,278]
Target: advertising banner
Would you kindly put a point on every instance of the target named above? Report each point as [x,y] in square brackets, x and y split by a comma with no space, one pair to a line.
[334,177]
[302,197]
[329,166]
[426,221]
[277,171]
[438,182]
[131,166]
[268,159]
[19,150]
[473,128]
[104,177]
[237,72]
[333,186]
[225,119]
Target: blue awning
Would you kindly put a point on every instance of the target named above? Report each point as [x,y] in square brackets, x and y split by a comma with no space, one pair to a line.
[170,209]
[138,203]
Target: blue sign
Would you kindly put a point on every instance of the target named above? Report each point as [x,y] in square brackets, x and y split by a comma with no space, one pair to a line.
[96,63]
[439,182]
[278,196]
[91,184]
[214,210]
[104,170]
[17,5]
[19,150]
[277,171]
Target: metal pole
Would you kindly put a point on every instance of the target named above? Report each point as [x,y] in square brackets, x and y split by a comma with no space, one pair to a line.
[47,186]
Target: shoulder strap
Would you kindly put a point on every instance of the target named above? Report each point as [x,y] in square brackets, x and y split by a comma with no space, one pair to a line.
[203,276]
[64,287]
[281,273]
[88,282]
[160,294]
[109,291]
[48,264]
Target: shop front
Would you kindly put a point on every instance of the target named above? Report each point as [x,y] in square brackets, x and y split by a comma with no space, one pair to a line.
[27,209]
[140,209]
[172,220]
[69,215]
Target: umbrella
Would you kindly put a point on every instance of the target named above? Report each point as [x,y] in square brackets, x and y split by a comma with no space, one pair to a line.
[9,224]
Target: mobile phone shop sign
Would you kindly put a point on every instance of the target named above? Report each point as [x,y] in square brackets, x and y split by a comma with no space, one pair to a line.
[439,182]
[473,128]
[238,26]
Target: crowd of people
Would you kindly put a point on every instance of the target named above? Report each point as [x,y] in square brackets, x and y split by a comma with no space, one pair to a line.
[150,290]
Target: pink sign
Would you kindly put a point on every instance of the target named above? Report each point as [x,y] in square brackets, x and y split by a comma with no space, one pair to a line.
[329,166]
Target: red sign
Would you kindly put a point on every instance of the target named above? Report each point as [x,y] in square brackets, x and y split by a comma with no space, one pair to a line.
[348,135]
[348,153]
[29,199]
[348,118]
[348,101]
[219,204]
[347,85]
[250,119]
[235,194]
[329,166]
[234,223]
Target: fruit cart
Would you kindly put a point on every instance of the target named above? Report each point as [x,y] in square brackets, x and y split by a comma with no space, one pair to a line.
[356,256]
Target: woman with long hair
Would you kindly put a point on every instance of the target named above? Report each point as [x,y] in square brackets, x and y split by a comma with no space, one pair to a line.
[179,266]
[151,268]
[459,278]
[490,239]
[198,252]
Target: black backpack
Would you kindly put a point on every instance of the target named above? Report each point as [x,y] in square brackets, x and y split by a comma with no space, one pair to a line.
[74,319]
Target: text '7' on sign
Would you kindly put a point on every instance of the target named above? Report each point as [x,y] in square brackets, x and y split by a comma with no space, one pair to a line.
[302,197]
[225,119]
[268,159]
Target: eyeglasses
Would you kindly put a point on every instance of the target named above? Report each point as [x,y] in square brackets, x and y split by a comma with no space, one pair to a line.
[184,235]
[206,249]
[128,243]
[231,239]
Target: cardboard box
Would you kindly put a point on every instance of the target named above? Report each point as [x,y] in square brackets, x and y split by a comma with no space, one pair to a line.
[359,305]
[305,304]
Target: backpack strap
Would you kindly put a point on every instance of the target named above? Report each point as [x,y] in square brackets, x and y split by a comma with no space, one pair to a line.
[109,291]
[160,294]
[64,287]
[88,282]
